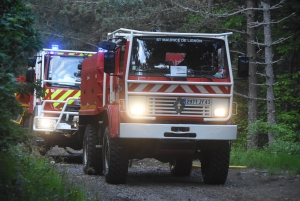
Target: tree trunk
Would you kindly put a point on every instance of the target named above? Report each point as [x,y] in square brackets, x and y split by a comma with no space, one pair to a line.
[252,94]
[210,3]
[269,68]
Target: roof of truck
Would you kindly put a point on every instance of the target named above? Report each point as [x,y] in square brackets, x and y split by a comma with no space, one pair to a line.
[128,32]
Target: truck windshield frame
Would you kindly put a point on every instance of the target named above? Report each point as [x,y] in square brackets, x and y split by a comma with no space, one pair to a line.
[63,69]
[178,56]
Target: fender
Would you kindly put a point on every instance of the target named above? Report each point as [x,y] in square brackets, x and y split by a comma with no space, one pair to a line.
[113,118]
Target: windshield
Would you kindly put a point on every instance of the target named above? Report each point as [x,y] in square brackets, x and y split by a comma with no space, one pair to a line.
[178,56]
[64,69]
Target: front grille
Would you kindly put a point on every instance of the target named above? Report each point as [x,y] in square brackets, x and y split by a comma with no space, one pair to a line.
[164,106]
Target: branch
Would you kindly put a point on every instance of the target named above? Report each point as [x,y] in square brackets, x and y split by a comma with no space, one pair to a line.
[62,36]
[252,98]
[280,40]
[237,52]
[260,63]
[256,24]
[233,30]
[263,75]
[186,8]
[241,95]
[265,84]
[227,14]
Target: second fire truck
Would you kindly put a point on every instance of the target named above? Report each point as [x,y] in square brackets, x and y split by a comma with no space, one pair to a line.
[53,114]
[159,95]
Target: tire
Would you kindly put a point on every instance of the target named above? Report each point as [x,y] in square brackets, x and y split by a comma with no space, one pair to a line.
[92,155]
[115,164]
[181,167]
[215,165]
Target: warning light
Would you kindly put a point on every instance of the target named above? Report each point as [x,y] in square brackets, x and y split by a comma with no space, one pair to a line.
[54,47]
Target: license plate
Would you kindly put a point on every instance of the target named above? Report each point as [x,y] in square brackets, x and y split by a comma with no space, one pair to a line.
[197,101]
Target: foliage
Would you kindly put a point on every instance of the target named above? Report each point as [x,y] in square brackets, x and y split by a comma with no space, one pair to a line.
[27,177]
[266,159]
[287,139]
[83,24]
[10,133]
[18,38]
[240,119]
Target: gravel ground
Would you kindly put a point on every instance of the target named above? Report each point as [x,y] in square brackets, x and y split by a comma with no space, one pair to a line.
[150,179]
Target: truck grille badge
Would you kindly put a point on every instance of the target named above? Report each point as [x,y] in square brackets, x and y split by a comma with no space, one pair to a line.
[179,105]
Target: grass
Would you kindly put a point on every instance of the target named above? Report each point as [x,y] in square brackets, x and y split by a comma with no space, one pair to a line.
[265,159]
[24,176]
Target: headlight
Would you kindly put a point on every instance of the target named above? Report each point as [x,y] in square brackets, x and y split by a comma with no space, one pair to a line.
[220,112]
[45,123]
[137,109]
[137,105]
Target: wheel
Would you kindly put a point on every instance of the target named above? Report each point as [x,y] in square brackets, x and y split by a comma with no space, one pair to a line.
[92,155]
[28,122]
[27,119]
[115,164]
[215,165]
[181,167]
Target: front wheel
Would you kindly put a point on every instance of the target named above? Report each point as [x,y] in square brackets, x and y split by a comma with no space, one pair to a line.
[27,122]
[115,164]
[215,164]
[92,154]
[181,167]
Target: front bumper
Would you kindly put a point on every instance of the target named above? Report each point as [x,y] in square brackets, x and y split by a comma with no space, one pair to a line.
[178,131]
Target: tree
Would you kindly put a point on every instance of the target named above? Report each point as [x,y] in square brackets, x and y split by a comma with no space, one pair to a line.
[83,24]
[252,80]
[17,40]
[269,67]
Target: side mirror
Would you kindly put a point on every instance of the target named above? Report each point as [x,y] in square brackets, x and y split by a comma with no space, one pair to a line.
[79,67]
[30,74]
[31,62]
[243,66]
[109,62]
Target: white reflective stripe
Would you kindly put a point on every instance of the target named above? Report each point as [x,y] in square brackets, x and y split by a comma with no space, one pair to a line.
[185,87]
[171,88]
[202,89]
[156,87]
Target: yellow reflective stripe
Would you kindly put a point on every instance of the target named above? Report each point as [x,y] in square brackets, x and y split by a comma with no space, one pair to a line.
[63,97]
[76,96]
[73,54]
[55,93]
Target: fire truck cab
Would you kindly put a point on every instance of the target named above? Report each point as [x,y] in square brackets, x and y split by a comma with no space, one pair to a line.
[53,115]
[159,95]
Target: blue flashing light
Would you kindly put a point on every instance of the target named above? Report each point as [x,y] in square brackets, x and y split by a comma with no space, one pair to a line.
[101,50]
[54,47]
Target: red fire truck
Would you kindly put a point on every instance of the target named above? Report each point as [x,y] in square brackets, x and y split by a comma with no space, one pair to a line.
[159,95]
[53,115]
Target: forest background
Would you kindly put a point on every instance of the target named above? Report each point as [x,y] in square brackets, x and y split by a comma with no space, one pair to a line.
[267,31]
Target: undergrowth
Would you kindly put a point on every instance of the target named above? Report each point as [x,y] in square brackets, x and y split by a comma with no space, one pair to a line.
[266,159]
[24,176]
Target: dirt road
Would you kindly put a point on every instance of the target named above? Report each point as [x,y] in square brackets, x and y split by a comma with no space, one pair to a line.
[150,179]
